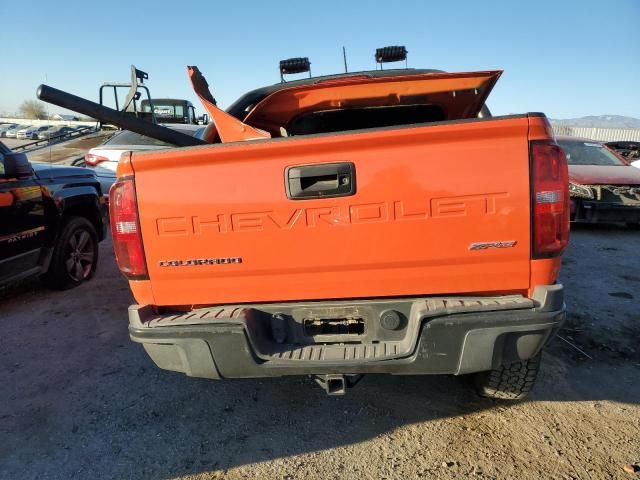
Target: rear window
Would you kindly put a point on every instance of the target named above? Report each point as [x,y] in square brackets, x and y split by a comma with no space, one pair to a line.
[588,153]
[125,137]
[326,121]
[167,111]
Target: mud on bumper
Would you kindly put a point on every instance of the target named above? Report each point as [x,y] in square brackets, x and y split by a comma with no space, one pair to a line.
[432,335]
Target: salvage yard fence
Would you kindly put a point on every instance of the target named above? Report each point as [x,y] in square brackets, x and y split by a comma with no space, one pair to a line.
[601,134]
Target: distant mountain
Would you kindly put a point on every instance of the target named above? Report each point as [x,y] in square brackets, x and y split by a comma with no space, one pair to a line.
[601,121]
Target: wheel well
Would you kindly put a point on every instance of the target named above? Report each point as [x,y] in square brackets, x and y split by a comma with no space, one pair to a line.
[88,211]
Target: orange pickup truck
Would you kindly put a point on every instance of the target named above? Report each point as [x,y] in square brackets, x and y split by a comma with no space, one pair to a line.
[371,222]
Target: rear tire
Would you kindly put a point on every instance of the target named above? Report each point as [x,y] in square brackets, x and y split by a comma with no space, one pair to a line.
[512,381]
[75,255]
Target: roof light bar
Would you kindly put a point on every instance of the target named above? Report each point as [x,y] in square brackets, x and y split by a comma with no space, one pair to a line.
[294,65]
[396,53]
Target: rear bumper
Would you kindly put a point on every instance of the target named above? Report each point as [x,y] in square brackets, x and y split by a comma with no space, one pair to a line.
[594,211]
[440,336]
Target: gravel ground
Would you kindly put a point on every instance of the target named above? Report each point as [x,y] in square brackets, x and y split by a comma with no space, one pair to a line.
[79,400]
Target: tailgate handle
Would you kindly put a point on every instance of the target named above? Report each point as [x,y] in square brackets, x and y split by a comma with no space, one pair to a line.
[325,180]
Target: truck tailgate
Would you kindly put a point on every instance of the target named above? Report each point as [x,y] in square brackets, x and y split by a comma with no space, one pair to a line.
[437,208]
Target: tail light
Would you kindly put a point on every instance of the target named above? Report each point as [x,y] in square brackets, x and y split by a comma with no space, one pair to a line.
[125,229]
[93,160]
[550,200]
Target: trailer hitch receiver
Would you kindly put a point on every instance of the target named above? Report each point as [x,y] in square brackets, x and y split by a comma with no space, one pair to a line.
[337,384]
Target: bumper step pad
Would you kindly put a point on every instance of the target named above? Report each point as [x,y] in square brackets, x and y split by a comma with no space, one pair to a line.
[252,320]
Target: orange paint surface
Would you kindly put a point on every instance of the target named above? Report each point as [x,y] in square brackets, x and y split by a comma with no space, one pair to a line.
[423,196]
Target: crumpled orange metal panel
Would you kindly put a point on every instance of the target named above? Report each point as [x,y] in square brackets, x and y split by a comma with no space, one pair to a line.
[360,90]
[228,128]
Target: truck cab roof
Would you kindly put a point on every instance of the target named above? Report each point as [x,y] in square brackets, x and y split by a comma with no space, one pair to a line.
[168,100]
[240,107]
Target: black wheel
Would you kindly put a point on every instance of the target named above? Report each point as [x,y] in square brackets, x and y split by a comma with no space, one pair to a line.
[75,255]
[513,381]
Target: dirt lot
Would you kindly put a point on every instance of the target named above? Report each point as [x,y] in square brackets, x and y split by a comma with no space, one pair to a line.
[79,400]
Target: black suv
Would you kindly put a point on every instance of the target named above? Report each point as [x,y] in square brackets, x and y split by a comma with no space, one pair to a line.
[51,220]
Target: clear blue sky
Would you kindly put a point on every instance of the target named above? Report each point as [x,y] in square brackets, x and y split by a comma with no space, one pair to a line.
[565,58]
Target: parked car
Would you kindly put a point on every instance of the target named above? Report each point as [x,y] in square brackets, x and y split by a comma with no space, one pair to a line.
[55,131]
[103,159]
[47,132]
[4,128]
[22,133]
[13,132]
[108,154]
[603,186]
[31,132]
[51,220]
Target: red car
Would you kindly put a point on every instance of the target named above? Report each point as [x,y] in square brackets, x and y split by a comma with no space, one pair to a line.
[603,187]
